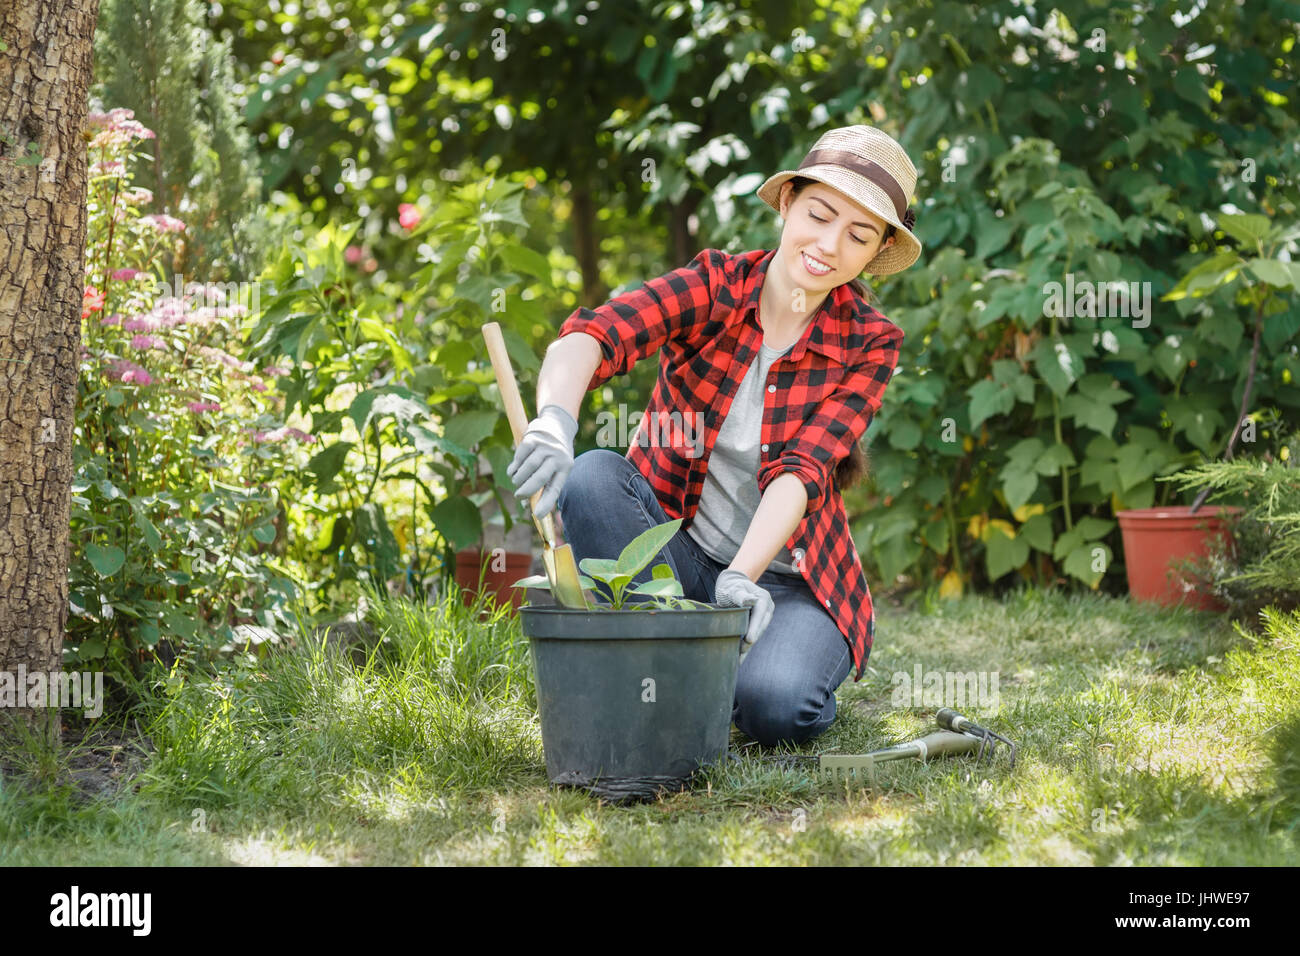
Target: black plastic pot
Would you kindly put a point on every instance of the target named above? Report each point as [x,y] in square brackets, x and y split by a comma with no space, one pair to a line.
[633,701]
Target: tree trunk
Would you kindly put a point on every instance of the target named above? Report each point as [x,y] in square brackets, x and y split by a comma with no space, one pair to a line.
[594,291]
[45,72]
[684,242]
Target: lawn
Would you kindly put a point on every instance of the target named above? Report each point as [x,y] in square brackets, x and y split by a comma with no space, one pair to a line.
[1146,736]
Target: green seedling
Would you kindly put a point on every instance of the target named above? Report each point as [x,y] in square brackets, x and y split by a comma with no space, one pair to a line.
[662,590]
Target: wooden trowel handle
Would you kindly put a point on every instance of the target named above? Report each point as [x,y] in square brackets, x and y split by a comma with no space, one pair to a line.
[496,346]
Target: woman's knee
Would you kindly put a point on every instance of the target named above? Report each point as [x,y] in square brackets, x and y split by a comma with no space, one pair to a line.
[775,714]
[591,471]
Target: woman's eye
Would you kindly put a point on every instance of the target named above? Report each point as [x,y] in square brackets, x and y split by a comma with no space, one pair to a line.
[861,242]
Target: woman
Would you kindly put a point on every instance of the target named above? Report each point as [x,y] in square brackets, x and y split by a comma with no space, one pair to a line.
[771,367]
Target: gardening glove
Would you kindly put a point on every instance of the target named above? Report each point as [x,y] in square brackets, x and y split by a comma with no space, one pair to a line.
[544,457]
[734,589]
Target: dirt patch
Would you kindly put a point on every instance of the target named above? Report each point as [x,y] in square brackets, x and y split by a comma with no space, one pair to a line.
[96,760]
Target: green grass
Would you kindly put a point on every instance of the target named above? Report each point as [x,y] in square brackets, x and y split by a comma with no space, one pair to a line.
[1147,736]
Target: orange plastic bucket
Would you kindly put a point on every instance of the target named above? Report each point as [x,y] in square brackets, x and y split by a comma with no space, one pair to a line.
[1155,538]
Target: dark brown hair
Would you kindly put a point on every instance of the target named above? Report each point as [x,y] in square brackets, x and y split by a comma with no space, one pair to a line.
[853,468]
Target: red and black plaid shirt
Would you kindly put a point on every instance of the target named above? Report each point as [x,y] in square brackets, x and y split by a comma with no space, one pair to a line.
[702,319]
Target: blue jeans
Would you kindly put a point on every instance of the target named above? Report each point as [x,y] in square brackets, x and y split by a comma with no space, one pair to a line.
[785,687]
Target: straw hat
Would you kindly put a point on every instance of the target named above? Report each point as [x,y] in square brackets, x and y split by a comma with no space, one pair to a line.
[869,167]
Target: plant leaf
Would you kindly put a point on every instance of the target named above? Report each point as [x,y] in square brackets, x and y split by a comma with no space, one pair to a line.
[106,559]
[660,587]
[641,550]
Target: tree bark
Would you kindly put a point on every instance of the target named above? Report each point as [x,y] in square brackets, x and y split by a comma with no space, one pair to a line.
[683,242]
[585,241]
[45,73]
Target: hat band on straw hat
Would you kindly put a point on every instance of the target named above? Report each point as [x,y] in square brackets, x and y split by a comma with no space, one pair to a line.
[866,168]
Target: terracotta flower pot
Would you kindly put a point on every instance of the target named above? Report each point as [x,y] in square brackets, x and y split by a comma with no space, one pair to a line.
[517,565]
[1155,538]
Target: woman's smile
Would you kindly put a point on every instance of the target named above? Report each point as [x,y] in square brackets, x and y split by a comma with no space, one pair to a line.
[816,266]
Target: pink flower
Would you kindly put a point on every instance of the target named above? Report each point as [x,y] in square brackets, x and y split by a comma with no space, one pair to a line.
[124,371]
[165,223]
[197,407]
[140,323]
[141,342]
[107,167]
[259,386]
[225,358]
[352,255]
[275,370]
[408,215]
[137,196]
[113,319]
[125,274]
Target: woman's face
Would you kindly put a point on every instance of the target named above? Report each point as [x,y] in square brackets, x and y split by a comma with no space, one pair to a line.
[823,227]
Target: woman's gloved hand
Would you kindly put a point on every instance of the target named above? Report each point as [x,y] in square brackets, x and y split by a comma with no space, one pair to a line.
[734,589]
[544,457]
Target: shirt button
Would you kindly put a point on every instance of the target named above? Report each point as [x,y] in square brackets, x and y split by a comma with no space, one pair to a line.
[828,603]
[765,448]
[771,388]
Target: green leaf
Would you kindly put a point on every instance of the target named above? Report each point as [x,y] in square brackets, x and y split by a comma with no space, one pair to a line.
[1133,465]
[535,581]
[1205,277]
[1018,486]
[91,649]
[1053,459]
[988,398]
[149,633]
[1079,563]
[904,434]
[1058,364]
[333,534]
[1248,228]
[994,234]
[935,534]
[660,588]
[106,559]
[662,571]
[642,549]
[264,533]
[1003,554]
[325,464]
[1090,527]
[1067,542]
[1038,532]
[1275,273]
[1089,413]
[469,428]
[458,521]
[1281,328]
[389,400]
[604,568]
[427,443]
[108,489]
[151,536]
[522,259]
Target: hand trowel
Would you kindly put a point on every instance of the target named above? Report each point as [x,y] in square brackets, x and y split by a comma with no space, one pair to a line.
[561,568]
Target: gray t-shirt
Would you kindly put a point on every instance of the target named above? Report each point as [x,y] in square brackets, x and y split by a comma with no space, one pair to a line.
[730,496]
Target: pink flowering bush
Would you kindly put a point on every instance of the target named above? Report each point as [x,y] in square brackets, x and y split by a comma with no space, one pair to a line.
[180,442]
